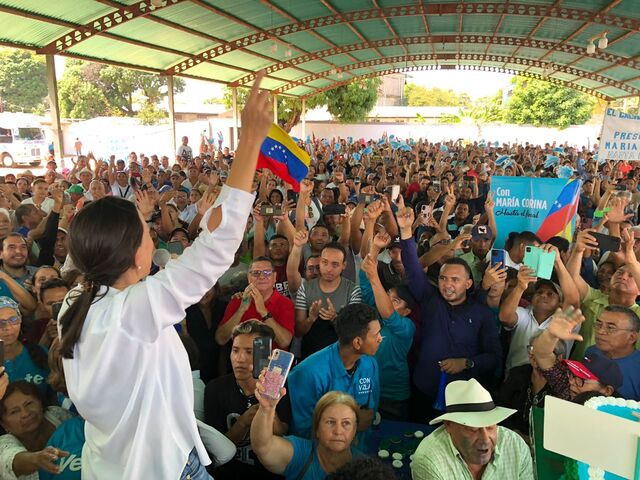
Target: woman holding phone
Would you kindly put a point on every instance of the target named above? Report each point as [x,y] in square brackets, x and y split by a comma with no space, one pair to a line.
[126,370]
[335,423]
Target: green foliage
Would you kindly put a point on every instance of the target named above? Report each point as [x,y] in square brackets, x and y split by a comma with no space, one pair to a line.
[541,103]
[488,109]
[418,96]
[114,91]
[23,81]
[352,103]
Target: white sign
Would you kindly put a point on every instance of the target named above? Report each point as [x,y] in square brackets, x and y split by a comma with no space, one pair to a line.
[620,138]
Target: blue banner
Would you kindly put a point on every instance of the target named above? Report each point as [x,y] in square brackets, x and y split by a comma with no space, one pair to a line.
[544,206]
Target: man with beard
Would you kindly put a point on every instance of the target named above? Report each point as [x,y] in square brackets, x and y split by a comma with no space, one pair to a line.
[459,335]
[14,258]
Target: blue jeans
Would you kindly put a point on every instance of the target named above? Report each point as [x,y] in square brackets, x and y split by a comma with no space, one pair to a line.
[194,470]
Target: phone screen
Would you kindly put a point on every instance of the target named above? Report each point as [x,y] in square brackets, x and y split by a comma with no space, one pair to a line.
[261,351]
[277,372]
[55,309]
[175,247]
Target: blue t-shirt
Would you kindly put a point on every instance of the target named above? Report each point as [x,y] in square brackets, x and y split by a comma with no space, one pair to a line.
[397,333]
[4,291]
[301,451]
[630,368]
[23,368]
[69,436]
[324,372]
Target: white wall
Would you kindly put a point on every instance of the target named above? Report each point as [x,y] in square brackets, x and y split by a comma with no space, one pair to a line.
[577,135]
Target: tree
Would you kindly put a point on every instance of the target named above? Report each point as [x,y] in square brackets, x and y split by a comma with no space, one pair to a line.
[541,103]
[418,96]
[23,81]
[352,103]
[115,91]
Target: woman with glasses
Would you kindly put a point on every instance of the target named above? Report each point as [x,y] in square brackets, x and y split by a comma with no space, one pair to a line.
[22,360]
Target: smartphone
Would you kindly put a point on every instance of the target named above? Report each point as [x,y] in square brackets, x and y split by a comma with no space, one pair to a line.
[356,180]
[223,175]
[393,191]
[469,178]
[425,212]
[2,355]
[175,247]
[498,256]
[436,185]
[606,242]
[292,196]
[277,373]
[539,261]
[55,310]
[335,209]
[268,210]
[621,187]
[261,352]
[367,198]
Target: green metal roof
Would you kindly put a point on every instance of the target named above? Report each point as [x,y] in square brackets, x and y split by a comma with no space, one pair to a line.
[309,46]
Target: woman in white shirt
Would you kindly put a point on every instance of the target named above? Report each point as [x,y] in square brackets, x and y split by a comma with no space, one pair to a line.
[126,370]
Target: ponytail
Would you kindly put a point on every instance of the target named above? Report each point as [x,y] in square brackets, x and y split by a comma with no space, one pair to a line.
[73,319]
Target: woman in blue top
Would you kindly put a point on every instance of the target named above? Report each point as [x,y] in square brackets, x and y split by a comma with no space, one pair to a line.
[22,361]
[335,423]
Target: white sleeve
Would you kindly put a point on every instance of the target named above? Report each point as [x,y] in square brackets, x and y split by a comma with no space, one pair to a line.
[160,301]
[10,446]
[522,317]
[216,443]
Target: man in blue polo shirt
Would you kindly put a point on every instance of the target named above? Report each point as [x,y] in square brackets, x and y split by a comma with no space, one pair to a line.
[459,333]
[347,366]
[617,330]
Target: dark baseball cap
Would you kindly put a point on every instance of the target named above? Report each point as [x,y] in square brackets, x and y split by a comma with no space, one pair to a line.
[597,367]
[481,232]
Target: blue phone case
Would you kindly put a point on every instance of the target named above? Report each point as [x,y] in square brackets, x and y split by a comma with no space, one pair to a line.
[497,256]
[277,372]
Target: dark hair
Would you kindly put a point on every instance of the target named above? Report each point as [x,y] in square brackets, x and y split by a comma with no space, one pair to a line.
[51,284]
[103,241]
[12,234]
[262,258]
[458,261]
[179,229]
[22,211]
[633,318]
[561,243]
[253,327]
[56,377]
[363,468]
[23,387]
[353,321]
[335,246]
[311,257]
[275,190]
[318,225]
[278,236]
[516,238]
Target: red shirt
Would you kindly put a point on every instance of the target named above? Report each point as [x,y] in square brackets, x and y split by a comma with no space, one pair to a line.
[278,305]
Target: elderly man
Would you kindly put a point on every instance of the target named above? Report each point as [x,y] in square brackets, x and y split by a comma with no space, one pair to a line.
[470,444]
[616,336]
[260,300]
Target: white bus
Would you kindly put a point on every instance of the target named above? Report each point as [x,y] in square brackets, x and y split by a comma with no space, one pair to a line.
[22,141]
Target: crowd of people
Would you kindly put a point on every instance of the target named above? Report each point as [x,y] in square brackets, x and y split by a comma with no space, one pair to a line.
[376,275]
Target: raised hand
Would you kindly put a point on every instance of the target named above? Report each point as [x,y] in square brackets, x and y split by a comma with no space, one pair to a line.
[369,265]
[206,202]
[381,240]
[585,240]
[301,238]
[314,310]
[306,187]
[145,203]
[405,217]
[525,277]
[257,115]
[256,213]
[374,210]
[328,313]
[489,203]
[563,323]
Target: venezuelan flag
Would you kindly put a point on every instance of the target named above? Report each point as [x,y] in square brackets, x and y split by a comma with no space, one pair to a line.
[559,221]
[282,156]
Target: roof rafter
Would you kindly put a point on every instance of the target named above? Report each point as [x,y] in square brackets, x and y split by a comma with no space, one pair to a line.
[100,25]
[497,29]
[391,30]
[418,68]
[434,39]
[522,62]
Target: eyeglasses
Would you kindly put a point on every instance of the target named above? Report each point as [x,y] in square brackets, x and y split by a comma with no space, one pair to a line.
[579,381]
[261,273]
[609,329]
[9,322]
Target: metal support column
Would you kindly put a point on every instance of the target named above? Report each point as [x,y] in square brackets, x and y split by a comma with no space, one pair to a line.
[303,118]
[52,87]
[275,109]
[234,106]
[172,116]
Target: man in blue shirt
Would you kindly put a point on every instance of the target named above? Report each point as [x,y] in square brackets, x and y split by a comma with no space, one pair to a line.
[616,336]
[347,366]
[459,334]
[394,307]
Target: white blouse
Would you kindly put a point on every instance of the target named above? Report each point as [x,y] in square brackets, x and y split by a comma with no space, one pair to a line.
[130,377]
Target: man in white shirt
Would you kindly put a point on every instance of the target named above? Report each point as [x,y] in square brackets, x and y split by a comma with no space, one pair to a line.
[39,198]
[184,150]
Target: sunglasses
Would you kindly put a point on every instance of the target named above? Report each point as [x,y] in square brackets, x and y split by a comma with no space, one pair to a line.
[261,273]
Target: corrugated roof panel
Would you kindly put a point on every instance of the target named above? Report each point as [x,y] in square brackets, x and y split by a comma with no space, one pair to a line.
[591,5]
[627,8]
[316,66]
[557,29]
[622,73]
[585,82]
[255,13]
[442,24]
[61,9]
[218,73]
[306,40]
[364,55]
[373,29]
[19,30]
[518,25]
[629,47]
[476,48]
[301,91]
[310,10]
[533,53]
[339,34]
[291,74]
[409,26]
[337,60]
[106,49]
[591,64]
[391,51]
[614,92]
[146,30]
[479,23]
[564,76]
[505,50]
[244,60]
